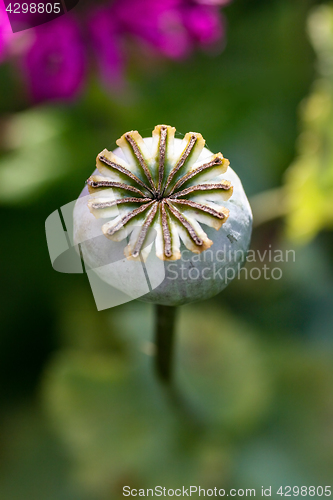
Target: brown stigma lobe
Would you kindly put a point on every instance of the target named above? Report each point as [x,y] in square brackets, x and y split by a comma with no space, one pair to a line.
[108,204]
[111,184]
[138,155]
[190,229]
[144,230]
[200,206]
[162,150]
[155,203]
[123,170]
[166,231]
[182,160]
[202,187]
[127,218]
[198,170]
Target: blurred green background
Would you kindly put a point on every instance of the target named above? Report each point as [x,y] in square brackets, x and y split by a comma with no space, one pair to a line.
[81,412]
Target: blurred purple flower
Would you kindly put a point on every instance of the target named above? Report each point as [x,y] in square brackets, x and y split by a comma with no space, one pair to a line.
[106,46]
[55,62]
[204,23]
[5,30]
[219,3]
[157,23]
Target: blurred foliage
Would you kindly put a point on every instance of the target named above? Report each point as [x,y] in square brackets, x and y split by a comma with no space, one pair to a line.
[37,156]
[242,101]
[81,412]
[310,177]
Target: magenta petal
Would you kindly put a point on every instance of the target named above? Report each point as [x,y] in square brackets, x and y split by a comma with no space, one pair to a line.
[220,3]
[204,23]
[55,63]
[106,45]
[172,40]
[5,30]
[158,23]
[2,45]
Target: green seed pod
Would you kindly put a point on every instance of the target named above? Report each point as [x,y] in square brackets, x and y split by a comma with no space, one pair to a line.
[172,198]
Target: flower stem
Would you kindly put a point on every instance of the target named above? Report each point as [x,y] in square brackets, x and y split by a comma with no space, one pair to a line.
[164,338]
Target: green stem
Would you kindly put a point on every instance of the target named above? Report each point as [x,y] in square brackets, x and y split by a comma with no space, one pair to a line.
[164,338]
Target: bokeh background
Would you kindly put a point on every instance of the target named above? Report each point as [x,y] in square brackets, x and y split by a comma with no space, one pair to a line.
[81,411]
